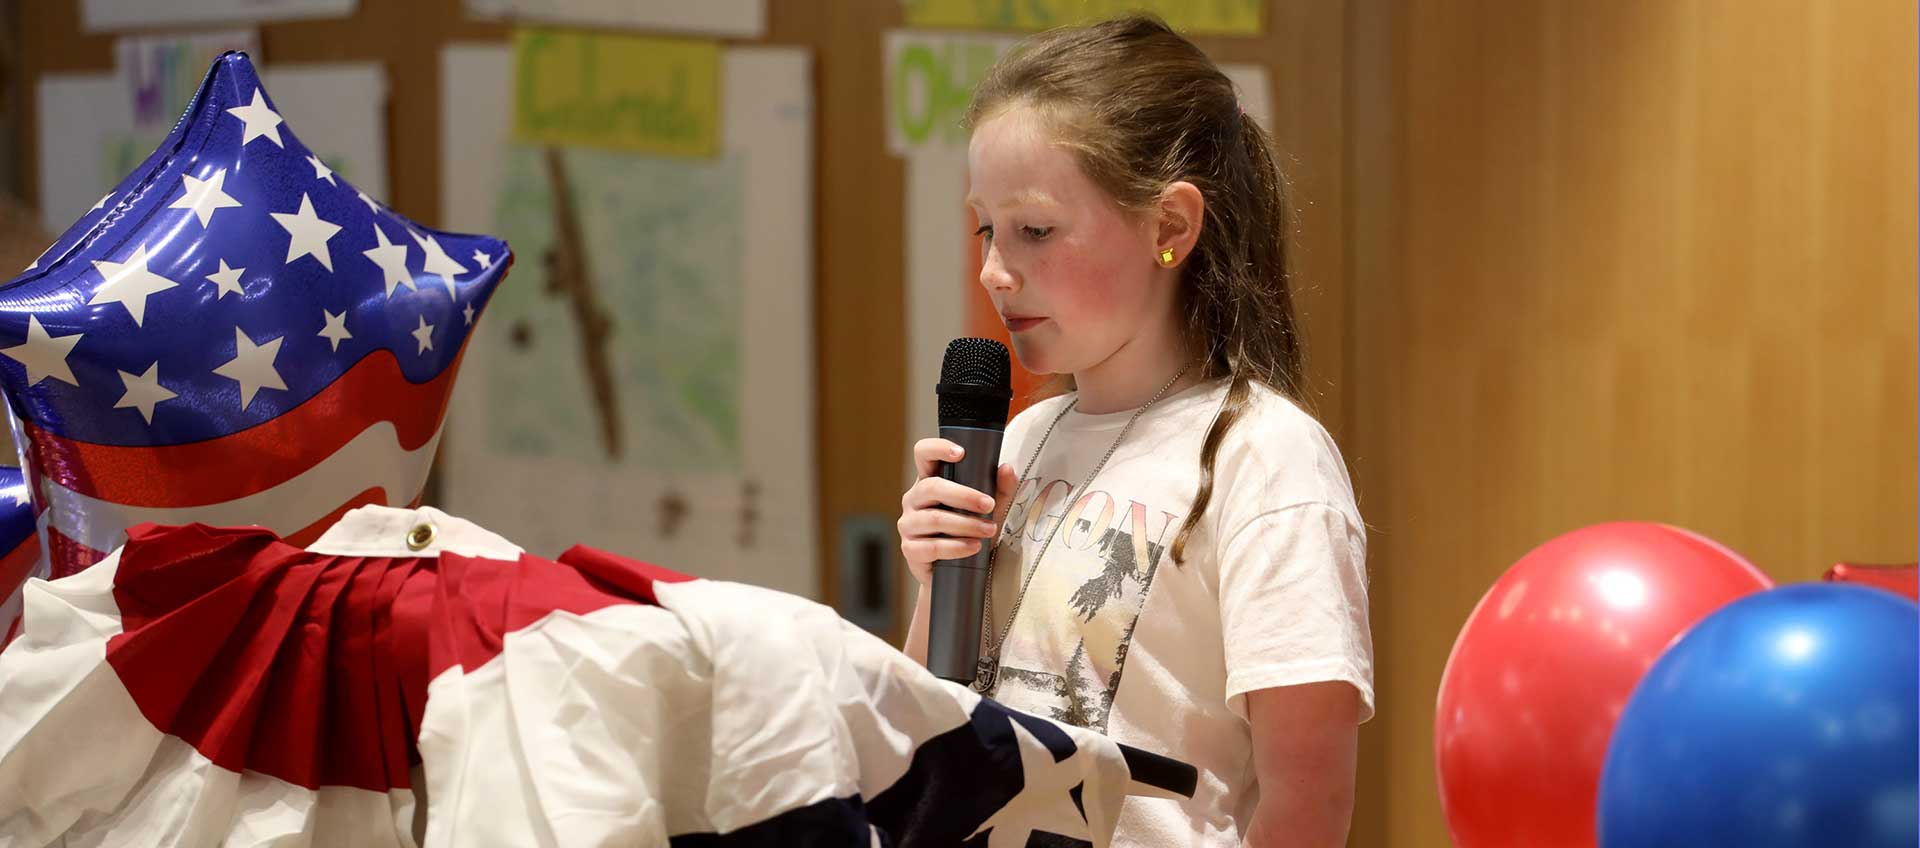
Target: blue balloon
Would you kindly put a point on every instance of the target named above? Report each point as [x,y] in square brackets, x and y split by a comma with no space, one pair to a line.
[1787,718]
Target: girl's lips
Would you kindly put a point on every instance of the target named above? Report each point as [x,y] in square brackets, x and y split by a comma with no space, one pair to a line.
[1018,324]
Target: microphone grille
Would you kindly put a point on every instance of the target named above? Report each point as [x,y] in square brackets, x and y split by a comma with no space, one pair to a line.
[977,362]
[976,383]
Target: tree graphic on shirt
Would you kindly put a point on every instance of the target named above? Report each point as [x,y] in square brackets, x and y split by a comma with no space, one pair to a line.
[1095,593]
[1077,711]
[1117,561]
[1120,658]
[1081,690]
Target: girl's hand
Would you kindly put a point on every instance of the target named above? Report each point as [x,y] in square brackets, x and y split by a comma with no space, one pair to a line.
[930,528]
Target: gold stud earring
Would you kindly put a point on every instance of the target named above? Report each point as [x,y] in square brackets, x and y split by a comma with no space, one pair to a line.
[1166,257]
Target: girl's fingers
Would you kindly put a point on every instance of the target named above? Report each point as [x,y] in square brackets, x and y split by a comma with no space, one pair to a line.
[922,523]
[939,491]
[929,453]
[929,550]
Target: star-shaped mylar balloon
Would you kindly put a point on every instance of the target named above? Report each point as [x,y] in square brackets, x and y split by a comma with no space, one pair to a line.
[235,335]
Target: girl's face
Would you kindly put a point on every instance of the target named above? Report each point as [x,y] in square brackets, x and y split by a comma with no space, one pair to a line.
[1070,272]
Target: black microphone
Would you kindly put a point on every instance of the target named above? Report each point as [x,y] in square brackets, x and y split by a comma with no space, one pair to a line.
[975,388]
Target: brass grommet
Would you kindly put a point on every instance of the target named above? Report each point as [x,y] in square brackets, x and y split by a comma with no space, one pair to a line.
[420,536]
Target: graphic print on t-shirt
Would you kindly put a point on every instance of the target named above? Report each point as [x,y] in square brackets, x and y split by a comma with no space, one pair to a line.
[1065,653]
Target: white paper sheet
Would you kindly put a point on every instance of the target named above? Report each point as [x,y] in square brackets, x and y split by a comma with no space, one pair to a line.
[717,473]
[109,15]
[733,18]
[159,73]
[89,139]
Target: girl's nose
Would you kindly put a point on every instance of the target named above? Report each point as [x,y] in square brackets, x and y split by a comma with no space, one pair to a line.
[994,275]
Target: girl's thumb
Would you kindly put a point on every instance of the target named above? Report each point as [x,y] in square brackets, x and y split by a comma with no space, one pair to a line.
[1003,493]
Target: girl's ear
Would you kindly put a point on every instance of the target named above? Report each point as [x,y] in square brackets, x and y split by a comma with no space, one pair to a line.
[1182,213]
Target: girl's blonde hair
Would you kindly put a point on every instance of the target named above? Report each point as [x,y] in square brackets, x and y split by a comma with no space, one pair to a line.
[1141,107]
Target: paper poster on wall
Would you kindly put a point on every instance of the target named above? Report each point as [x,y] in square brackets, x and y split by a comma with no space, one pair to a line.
[644,380]
[733,18]
[1212,17]
[930,78]
[161,72]
[639,94]
[91,133]
[108,15]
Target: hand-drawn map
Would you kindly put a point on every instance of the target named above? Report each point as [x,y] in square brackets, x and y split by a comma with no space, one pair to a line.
[643,381]
[661,273]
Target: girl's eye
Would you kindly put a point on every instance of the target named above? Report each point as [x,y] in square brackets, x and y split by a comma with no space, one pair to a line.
[1031,233]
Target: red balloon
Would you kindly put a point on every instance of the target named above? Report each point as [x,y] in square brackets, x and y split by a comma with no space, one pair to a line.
[1545,665]
[1903,580]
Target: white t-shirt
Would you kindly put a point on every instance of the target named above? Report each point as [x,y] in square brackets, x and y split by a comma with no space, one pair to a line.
[1115,637]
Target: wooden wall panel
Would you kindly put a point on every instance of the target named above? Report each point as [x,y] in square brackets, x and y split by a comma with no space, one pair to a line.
[1641,260]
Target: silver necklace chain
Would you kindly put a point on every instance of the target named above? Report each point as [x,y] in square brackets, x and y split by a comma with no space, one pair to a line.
[986,673]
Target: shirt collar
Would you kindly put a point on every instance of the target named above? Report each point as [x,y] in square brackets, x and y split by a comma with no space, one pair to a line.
[384,531]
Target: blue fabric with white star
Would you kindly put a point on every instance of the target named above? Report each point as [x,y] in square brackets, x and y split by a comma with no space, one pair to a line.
[951,792]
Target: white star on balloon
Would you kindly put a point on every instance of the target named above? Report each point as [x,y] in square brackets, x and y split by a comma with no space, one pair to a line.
[320,170]
[205,197]
[228,279]
[101,202]
[129,284]
[335,330]
[481,257]
[143,391]
[43,355]
[392,259]
[438,262]
[424,335]
[1044,803]
[308,233]
[468,311]
[252,367]
[371,206]
[260,120]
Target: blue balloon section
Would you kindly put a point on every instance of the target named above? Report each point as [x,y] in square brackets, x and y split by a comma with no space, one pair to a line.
[19,549]
[16,513]
[1787,718]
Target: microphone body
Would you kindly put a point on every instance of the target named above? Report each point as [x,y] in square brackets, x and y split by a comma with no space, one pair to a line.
[974,391]
[960,585]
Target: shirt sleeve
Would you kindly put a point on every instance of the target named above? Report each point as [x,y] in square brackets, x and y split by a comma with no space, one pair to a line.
[1293,603]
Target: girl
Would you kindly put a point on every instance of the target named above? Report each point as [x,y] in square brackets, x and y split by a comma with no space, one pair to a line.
[1178,561]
